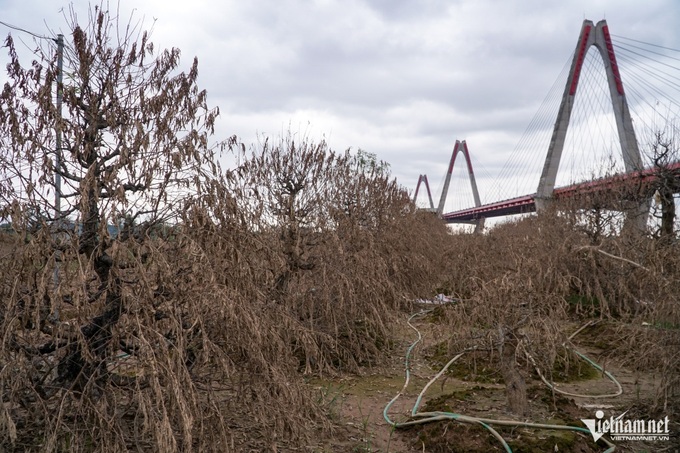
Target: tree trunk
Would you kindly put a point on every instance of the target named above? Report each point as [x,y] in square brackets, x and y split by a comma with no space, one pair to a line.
[75,370]
[515,386]
[77,367]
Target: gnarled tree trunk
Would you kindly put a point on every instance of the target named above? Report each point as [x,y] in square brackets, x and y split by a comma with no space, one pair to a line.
[515,387]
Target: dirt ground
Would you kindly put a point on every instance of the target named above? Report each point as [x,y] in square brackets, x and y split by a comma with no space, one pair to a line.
[357,403]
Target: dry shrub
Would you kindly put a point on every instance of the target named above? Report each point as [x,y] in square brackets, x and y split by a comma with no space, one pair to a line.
[343,246]
[192,365]
[512,284]
[534,277]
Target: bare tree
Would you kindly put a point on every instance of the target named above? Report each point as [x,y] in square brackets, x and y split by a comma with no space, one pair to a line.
[135,140]
[285,186]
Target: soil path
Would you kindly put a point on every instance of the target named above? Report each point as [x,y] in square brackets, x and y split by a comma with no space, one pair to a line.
[357,403]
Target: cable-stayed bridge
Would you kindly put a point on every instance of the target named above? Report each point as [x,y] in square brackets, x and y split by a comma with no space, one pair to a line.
[595,139]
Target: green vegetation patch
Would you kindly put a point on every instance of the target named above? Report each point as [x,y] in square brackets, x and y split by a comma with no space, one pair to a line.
[572,368]
[581,303]
[464,437]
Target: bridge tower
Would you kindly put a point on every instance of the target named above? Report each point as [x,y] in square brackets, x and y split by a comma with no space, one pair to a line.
[598,36]
[461,147]
[423,179]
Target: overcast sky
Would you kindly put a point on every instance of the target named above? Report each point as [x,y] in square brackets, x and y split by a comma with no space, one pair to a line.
[401,79]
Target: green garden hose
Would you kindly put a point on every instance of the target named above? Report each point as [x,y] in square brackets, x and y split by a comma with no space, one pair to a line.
[426,417]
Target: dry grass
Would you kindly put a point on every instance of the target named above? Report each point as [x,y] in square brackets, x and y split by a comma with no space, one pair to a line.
[208,349]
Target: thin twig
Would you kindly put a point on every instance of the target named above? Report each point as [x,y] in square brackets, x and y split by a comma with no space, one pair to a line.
[597,249]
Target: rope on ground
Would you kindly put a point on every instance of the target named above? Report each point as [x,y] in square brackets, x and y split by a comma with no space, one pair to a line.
[426,417]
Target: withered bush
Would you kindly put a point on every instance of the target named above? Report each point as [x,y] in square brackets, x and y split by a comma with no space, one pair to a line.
[342,246]
[192,364]
[536,278]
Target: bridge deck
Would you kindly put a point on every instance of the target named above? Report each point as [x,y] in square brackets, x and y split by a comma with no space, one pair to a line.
[640,182]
